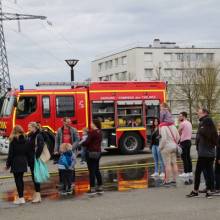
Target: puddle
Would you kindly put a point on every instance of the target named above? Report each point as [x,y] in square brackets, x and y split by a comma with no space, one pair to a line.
[114,180]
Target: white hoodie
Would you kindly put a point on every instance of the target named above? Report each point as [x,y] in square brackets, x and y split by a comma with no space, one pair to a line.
[167,139]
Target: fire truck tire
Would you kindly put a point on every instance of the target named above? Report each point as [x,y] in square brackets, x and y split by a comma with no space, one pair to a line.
[130,143]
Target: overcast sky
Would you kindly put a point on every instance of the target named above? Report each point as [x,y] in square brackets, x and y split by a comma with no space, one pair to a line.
[87,29]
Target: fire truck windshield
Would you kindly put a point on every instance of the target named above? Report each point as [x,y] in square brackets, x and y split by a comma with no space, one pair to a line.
[8,106]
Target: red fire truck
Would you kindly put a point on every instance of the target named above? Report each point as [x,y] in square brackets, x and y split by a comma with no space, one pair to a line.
[125,109]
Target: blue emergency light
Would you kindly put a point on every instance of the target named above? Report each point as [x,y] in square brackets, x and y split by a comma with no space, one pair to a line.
[21,87]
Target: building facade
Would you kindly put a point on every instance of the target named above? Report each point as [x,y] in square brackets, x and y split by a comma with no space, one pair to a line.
[164,61]
[159,61]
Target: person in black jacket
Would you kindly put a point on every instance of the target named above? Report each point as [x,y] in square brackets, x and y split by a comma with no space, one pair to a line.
[36,145]
[206,142]
[17,160]
[158,160]
[217,164]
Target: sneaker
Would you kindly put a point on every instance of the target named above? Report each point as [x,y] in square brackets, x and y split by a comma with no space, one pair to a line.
[188,182]
[91,192]
[208,195]
[99,190]
[190,174]
[155,174]
[166,184]
[162,175]
[173,183]
[192,194]
[183,175]
[69,192]
[63,192]
[19,201]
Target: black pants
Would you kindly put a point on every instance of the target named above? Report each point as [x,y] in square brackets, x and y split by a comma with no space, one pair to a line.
[94,172]
[19,183]
[73,176]
[204,164]
[36,185]
[187,161]
[66,178]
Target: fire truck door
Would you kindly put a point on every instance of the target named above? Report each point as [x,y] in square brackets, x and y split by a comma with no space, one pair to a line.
[65,107]
[47,115]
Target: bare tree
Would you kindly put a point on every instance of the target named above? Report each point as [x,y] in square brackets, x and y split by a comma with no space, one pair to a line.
[208,84]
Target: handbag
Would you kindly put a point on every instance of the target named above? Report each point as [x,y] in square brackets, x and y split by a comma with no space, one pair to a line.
[45,155]
[179,150]
[41,173]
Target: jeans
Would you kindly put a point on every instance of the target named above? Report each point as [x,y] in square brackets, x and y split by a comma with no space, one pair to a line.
[66,179]
[94,172]
[83,153]
[158,160]
[187,161]
[205,165]
[19,182]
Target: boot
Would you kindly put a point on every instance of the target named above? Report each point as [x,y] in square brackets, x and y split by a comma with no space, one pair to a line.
[36,198]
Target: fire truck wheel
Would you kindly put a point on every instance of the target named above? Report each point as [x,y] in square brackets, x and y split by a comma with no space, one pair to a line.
[130,143]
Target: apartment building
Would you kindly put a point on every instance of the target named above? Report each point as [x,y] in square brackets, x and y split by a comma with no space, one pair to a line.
[159,61]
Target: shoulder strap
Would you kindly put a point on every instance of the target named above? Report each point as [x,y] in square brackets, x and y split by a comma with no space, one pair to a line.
[172,135]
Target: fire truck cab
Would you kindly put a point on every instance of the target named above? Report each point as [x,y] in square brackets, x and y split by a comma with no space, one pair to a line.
[126,111]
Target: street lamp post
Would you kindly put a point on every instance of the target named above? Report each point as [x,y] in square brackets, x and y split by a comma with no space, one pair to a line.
[72,63]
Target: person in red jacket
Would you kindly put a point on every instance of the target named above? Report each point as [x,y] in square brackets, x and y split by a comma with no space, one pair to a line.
[93,155]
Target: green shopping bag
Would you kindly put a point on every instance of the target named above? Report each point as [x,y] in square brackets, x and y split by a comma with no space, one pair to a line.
[41,173]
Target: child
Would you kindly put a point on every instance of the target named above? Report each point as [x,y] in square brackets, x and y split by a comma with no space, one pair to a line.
[66,165]
[83,149]
[166,118]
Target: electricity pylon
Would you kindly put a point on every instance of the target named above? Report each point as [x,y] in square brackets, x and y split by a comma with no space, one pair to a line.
[5,81]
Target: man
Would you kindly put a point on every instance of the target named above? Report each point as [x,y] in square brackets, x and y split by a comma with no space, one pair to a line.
[206,141]
[66,134]
[185,131]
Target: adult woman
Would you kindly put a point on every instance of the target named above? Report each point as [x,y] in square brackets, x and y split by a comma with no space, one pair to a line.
[17,160]
[168,144]
[93,155]
[36,145]
[206,141]
[158,160]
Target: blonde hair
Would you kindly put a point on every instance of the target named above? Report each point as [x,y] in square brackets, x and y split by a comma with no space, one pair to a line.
[34,125]
[16,132]
[86,130]
[65,147]
[165,105]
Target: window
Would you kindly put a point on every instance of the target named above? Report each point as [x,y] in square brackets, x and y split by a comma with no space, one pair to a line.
[147,57]
[179,56]
[124,60]
[100,79]
[46,106]
[106,65]
[124,76]
[26,106]
[199,56]
[116,61]
[148,73]
[7,106]
[210,56]
[168,56]
[65,106]
[168,74]
[110,64]
[100,67]
[117,76]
